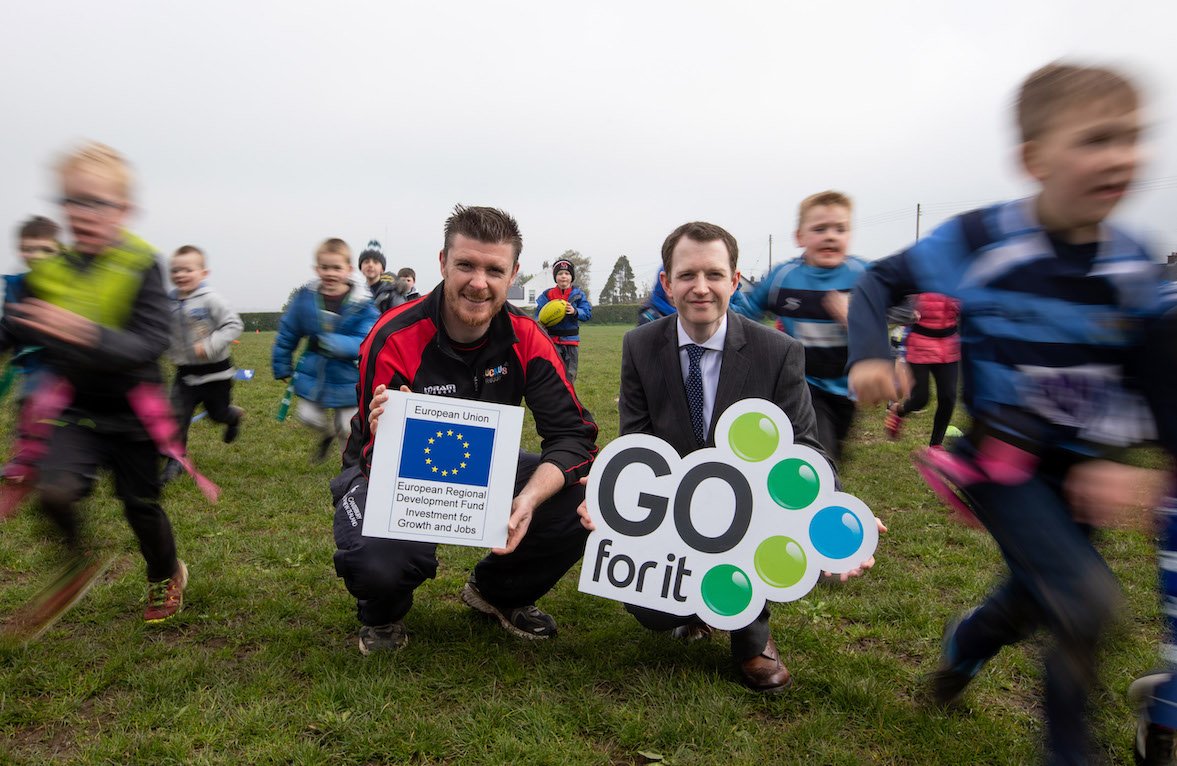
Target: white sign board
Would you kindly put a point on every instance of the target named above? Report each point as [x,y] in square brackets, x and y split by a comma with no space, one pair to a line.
[726,528]
[443,470]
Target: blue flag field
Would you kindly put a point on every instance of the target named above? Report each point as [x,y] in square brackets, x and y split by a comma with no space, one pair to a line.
[446,452]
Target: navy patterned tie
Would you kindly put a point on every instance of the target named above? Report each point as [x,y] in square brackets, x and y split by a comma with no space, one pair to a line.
[695,392]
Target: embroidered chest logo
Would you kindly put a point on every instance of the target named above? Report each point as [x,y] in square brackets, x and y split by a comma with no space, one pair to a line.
[492,374]
[441,390]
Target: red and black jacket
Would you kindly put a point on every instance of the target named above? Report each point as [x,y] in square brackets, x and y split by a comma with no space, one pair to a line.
[515,361]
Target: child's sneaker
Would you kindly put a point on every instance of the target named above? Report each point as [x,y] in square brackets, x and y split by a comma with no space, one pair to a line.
[171,471]
[953,674]
[1154,743]
[949,476]
[164,598]
[321,451]
[892,423]
[65,589]
[233,428]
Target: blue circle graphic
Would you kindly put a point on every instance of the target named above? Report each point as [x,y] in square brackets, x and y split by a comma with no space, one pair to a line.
[836,532]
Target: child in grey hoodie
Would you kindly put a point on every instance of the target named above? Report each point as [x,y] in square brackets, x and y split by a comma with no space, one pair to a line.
[203,327]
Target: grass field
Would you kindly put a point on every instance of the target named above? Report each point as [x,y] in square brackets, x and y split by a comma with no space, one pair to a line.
[261,667]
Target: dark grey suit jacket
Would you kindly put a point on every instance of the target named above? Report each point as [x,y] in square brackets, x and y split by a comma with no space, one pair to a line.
[758,362]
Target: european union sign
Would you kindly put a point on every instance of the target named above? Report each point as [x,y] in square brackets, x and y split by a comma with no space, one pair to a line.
[446,452]
[443,471]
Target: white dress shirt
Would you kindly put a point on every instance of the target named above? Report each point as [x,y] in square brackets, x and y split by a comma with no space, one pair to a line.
[708,365]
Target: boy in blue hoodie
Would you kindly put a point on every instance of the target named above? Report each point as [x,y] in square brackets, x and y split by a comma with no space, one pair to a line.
[334,313]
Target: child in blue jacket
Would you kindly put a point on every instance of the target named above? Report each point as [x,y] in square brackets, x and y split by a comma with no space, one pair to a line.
[566,333]
[334,313]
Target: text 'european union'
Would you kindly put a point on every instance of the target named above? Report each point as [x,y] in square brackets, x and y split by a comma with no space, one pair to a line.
[446,452]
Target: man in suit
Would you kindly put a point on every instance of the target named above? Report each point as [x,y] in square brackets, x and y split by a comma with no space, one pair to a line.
[680,372]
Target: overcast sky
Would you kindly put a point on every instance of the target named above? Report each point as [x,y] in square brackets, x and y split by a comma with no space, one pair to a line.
[257,129]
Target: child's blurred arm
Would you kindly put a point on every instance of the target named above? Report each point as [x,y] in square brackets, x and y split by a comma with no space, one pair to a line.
[228,328]
[1107,494]
[741,305]
[757,300]
[289,334]
[872,371]
[141,341]
[346,344]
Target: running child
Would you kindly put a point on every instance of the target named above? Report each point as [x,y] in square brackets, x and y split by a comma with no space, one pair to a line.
[334,313]
[810,295]
[931,350]
[100,311]
[1052,309]
[36,238]
[381,283]
[406,280]
[204,327]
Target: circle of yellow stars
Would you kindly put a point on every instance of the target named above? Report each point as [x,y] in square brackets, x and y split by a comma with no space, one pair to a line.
[446,471]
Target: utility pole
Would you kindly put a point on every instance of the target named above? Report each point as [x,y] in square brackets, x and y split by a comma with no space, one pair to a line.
[770,252]
[917,221]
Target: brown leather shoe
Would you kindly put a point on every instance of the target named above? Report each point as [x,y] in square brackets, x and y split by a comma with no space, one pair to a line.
[765,672]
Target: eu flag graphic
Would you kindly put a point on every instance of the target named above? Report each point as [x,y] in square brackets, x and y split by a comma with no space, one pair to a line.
[446,452]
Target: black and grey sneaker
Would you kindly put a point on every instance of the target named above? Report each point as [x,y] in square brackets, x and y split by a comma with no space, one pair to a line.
[1155,744]
[171,471]
[321,451]
[953,674]
[234,428]
[524,621]
[374,638]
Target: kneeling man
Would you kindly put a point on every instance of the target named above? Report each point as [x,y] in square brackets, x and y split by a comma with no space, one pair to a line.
[465,340]
[679,373]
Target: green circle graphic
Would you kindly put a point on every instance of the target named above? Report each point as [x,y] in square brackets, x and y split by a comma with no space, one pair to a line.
[753,436]
[726,590]
[780,561]
[793,484]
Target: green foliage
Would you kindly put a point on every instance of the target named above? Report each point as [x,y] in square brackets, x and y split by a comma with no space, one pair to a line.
[615,313]
[264,321]
[289,300]
[261,666]
[619,287]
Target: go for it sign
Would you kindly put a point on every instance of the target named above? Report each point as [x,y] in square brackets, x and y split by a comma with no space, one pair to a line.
[718,533]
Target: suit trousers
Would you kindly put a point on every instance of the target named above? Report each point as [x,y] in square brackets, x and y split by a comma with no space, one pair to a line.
[746,642]
[382,574]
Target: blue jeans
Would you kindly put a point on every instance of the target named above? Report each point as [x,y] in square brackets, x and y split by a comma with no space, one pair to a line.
[1056,581]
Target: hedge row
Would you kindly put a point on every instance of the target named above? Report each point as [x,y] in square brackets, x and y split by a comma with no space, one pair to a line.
[616,313]
[619,313]
[266,321]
